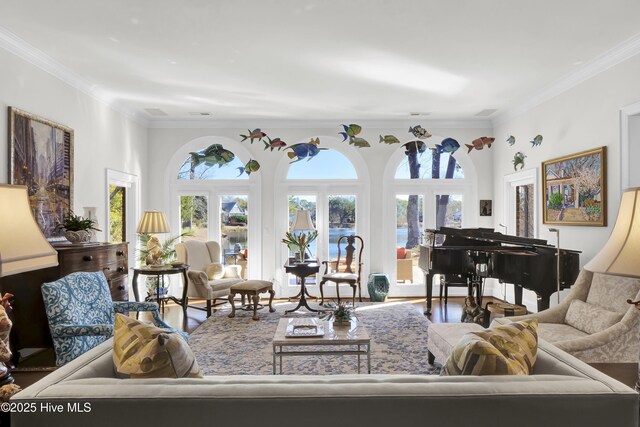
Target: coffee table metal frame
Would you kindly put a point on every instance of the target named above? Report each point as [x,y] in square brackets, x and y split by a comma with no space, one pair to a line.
[340,336]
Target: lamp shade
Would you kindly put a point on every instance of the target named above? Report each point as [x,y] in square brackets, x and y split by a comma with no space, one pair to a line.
[619,255]
[153,222]
[23,247]
[302,221]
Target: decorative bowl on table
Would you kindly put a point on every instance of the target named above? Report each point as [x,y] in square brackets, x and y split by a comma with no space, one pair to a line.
[177,264]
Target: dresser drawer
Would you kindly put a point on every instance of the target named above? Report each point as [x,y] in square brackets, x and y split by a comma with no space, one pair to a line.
[118,288]
[94,259]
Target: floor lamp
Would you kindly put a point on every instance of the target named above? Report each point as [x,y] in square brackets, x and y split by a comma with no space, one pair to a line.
[619,256]
[23,248]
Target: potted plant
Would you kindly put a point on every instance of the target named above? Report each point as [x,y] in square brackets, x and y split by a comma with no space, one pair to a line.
[302,241]
[341,313]
[78,229]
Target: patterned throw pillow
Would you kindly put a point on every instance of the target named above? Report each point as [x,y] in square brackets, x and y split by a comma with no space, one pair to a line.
[215,271]
[503,350]
[146,351]
[590,318]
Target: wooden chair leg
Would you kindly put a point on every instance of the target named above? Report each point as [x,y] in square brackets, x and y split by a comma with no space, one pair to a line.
[353,300]
[232,295]
[272,293]
[338,291]
[359,293]
[256,300]
[208,308]
[446,293]
[321,293]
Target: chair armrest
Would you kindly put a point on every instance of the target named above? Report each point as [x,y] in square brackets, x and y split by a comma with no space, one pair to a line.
[127,306]
[198,278]
[82,330]
[326,267]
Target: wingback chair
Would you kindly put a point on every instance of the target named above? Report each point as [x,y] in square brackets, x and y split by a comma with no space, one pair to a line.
[208,278]
[345,272]
[594,322]
[81,313]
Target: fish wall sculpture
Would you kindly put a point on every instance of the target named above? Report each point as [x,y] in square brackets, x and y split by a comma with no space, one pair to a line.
[389,139]
[304,150]
[536,141]
[213,155]
[518,160]
[419,132]
[350,131]
[274,143]
[253,134]
[479,143]
[448,145]
[249,167]
[511,140]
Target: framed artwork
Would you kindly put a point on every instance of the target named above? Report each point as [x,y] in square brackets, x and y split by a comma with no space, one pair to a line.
[41,157]
[486,207]
[575,189]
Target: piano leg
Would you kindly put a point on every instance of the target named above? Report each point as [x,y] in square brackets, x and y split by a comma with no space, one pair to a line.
[517,291]
[429,285]
[543,302]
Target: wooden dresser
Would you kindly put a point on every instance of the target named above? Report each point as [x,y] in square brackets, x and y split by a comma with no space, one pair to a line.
[30,326]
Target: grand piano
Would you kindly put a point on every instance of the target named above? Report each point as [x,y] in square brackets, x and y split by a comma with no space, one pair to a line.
[479,253]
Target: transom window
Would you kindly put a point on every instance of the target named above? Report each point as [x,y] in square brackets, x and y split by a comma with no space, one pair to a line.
[429,165]
[327,164]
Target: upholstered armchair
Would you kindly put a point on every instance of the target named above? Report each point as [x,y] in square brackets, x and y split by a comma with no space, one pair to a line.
[208,278]
[81,313]
[594,322]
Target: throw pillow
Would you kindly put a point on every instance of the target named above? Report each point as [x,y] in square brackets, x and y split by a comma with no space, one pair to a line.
[401,253]
[141,350]
[590,318]
[232,272]
[215,271]
[503,350]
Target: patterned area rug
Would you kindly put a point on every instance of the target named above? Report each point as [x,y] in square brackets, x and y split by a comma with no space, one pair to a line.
[241,346]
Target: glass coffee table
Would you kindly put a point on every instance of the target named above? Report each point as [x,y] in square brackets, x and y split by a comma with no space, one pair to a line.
[319,337]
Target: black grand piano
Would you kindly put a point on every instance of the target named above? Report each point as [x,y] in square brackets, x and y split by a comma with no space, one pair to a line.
[478,253]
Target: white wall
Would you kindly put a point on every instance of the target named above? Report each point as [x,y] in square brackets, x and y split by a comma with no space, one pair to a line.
[103,137]
[583,117]
[164,143]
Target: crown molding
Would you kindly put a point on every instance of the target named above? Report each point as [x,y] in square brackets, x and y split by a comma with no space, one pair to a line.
[316,124]
[619,53]
[19,47]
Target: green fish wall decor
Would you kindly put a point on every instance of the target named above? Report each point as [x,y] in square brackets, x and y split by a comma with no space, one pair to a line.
[536,141]
[213,155]
[389,139]
[274,143]
[511,140]
[350,131]
[249,167]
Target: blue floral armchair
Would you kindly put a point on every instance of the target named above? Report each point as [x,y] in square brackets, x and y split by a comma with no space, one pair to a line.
[81,313]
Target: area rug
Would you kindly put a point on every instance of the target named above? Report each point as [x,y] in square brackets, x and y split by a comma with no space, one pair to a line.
[242,346]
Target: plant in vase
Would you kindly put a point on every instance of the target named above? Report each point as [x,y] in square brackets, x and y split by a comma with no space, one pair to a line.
[341,313]
[78,229]
[157,254]
[301,241]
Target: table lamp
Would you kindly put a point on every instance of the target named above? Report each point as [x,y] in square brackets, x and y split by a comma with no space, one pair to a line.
[619,256]
[23,248]
[153,222]
[302,222]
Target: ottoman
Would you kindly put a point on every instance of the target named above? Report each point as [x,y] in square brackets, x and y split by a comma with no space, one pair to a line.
[252,290]
[441,337]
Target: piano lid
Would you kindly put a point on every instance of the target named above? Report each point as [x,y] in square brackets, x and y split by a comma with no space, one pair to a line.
[488,235]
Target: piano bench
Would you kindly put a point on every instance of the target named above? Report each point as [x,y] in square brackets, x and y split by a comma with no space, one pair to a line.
[441,337]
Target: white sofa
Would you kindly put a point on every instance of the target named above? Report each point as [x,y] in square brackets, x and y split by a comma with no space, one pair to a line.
[562,392]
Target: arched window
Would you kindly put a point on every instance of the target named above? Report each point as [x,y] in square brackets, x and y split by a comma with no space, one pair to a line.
[213,198]
[333,187]
[426,188]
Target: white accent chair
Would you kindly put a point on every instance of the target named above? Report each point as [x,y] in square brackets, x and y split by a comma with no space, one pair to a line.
[594,322]
[208,278]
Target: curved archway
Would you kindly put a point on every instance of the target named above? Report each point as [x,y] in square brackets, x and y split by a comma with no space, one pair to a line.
[437,202]
[217,195]
[321,193]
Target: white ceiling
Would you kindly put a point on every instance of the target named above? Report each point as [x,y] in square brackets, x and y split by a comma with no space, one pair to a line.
[321,59]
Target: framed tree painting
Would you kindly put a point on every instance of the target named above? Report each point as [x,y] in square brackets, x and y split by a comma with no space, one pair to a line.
[41,158]
[575,189]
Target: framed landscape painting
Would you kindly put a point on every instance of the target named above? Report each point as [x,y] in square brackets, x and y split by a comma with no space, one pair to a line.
[41,157]
[575,189]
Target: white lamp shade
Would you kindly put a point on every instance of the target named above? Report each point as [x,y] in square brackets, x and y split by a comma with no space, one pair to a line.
[153,222]
[620,255]
[302,221]
[23,247]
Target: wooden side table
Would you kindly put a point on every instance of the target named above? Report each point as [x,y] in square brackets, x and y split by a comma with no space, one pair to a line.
[160,273]
[302,271]
[626,373]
